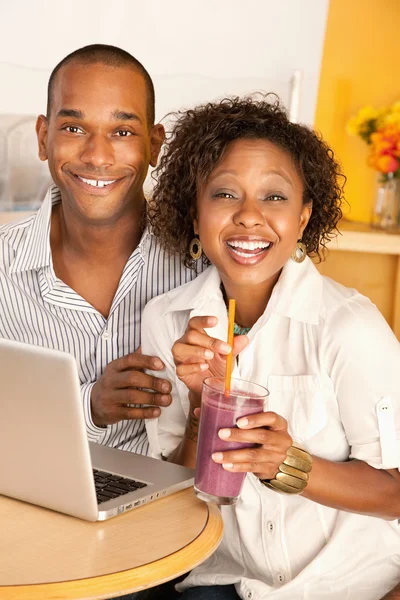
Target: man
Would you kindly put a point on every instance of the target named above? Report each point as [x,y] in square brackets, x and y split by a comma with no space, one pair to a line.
[76,275]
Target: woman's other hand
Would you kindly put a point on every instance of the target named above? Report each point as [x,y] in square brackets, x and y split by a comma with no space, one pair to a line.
[268,431]
[198,356]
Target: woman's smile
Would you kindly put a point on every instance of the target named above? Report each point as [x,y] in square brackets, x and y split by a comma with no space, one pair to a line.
[248,251]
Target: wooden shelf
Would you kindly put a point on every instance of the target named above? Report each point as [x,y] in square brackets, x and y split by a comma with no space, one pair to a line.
[359,237]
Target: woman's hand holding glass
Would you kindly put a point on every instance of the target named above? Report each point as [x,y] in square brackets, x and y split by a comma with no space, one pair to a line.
[269,432]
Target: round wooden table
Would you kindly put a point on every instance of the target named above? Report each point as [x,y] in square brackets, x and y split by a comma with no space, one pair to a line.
[44,554]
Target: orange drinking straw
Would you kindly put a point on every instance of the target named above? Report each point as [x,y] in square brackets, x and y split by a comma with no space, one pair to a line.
[231,323]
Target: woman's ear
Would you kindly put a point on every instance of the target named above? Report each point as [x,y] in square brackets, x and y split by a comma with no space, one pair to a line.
[193,214]
[306,212]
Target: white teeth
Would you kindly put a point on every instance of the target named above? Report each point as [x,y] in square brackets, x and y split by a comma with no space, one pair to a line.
[96,182]
[241,254]
[249,245]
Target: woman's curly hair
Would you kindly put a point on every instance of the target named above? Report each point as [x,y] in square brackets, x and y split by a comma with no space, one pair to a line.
[197,143]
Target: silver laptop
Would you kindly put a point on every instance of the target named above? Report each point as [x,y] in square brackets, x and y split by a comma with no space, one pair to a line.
[45,457]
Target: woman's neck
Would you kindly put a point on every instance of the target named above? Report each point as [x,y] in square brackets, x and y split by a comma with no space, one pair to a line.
[251,300]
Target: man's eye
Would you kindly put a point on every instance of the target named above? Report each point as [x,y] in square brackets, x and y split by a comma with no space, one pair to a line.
[73,129]
[124,133]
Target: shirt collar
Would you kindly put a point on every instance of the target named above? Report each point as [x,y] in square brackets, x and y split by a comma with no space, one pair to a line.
[297,294]
[193,295]
[35,251]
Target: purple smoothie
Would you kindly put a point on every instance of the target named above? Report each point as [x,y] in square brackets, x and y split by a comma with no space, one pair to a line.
[218,411]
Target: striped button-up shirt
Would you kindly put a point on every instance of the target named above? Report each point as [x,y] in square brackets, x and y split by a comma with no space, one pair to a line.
[38,308]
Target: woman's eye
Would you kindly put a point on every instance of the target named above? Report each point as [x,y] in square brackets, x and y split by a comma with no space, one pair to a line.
[223,195]
[73,129]
[275,197]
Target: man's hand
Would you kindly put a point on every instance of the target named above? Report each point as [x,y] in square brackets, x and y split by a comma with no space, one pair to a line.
[123,384]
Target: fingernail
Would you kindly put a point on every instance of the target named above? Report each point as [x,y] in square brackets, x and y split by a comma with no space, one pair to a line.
[156,412]
[242,422]
[224,433]
[203,367]
[217,456]
[225,348]
[227,465]
[165,387]
[208,354]
[164,399]
[157,364]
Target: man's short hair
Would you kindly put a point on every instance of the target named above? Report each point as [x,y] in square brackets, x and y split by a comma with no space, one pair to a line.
[110,56]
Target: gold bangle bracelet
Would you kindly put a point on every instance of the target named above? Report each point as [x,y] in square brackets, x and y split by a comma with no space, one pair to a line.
[292,475]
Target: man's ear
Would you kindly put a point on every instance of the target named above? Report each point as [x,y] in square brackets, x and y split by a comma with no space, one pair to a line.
[157,136]
[42,126]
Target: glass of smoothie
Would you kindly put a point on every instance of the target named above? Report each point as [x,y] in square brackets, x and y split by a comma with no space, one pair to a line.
[220,409]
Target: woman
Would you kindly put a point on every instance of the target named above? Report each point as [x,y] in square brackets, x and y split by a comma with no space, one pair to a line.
[242,187]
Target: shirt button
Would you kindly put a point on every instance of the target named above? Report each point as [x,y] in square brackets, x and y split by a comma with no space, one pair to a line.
[270,526]
[281,578]
[249,595]
[105,335]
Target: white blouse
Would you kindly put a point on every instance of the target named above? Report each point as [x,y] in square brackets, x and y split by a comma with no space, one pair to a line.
[331,365]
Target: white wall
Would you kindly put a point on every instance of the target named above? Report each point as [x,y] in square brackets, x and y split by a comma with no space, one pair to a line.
[195,50]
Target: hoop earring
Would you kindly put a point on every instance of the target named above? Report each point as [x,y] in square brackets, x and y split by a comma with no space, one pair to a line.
[195,248]
[299,253]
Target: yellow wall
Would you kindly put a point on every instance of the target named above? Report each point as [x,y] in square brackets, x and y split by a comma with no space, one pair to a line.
[359,66]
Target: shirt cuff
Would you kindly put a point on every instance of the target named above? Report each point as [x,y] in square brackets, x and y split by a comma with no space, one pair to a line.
[94,433]
[384,452]
[372,454]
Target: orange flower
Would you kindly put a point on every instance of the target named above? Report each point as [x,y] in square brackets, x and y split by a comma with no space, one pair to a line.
[387,163]
[384,146]
[390,130]
[375,137]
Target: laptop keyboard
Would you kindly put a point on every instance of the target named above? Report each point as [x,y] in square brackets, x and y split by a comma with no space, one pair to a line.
[110,486]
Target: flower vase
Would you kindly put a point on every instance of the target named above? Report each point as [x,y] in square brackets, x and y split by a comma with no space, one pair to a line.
[386,213]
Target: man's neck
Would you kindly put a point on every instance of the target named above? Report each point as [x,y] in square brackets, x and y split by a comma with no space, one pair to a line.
[92,242]
[90,258]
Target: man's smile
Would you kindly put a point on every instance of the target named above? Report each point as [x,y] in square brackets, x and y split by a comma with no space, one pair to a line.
[97,182]
[96,185]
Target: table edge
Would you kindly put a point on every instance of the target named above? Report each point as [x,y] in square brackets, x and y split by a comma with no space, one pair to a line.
[123,582]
